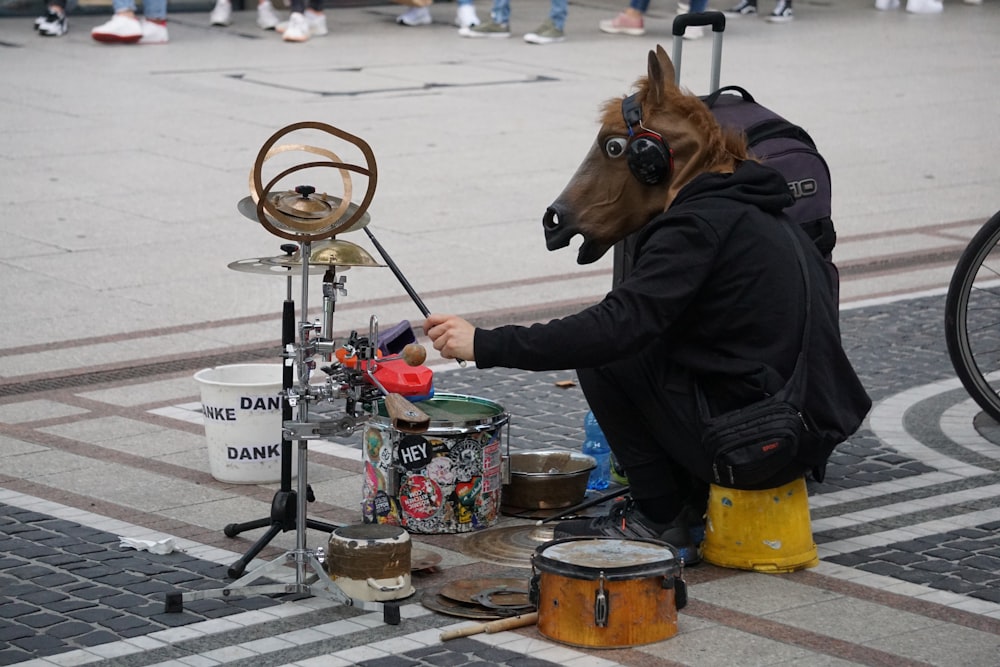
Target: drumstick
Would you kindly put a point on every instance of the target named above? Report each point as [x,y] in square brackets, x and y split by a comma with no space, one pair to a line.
[424,310]
[500,625]
[584,505]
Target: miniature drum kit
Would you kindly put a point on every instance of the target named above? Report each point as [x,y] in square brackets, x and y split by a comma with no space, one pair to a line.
[433,463]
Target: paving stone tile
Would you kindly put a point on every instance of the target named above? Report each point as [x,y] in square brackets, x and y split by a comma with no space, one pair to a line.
[17,609]
[96,637]
[69,629]
[12,656]
[40,620]
[9,632]
[127,622]
[94,614]
[6,562]
[46,598]
[71,604]
[982,562]
[54,580]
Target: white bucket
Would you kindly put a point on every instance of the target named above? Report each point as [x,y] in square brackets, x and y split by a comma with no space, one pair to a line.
[241,405]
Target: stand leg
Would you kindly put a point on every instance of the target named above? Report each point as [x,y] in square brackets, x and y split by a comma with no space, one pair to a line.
[284,505]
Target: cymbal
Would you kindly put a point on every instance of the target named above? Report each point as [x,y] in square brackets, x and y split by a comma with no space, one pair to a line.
[305,209]
[322,255]
[331,252]
[266,266]
[508,545]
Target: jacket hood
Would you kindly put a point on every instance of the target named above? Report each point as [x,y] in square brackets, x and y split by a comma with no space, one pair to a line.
[752,183]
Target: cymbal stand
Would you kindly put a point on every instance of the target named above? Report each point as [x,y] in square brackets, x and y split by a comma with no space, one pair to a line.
[284,503]
[310,576]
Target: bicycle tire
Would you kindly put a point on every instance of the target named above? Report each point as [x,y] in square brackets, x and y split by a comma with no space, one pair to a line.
[972,318]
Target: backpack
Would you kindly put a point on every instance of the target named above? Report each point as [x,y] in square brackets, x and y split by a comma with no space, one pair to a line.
[787,148]
[790,150]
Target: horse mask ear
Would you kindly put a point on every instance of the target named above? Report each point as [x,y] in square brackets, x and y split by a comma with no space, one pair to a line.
[661,74]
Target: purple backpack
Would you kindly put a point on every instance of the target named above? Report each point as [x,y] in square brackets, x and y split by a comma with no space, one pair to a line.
[788,148]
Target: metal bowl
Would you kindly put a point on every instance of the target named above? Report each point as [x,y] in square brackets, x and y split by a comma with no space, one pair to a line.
[547,479]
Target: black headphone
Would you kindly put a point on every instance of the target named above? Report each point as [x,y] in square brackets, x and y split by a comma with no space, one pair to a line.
[649,157]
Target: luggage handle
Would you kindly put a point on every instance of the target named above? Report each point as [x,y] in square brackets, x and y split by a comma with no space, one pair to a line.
[710,100]
[715,19]
[718,22]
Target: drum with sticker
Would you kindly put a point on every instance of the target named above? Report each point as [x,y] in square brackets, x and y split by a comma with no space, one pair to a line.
[445,480]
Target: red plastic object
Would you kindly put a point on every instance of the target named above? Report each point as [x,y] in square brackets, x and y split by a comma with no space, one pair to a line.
[398,377]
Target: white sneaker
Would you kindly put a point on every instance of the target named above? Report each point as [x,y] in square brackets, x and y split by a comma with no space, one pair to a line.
[317,23]
[154,33]
[297,28]
[415,16]
[267,18]
[466,17]
[694,32]
[121,29]
[886,5]
[924,6]
[222,14]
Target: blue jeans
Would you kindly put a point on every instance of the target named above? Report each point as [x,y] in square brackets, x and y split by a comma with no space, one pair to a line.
[501,12]
[151,9]
[642,5]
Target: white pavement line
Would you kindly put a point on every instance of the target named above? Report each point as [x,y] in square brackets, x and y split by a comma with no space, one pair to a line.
[906,507]
[918,591]
[925,529]
[891,299]
[886,421]
[882,489]
[958,423]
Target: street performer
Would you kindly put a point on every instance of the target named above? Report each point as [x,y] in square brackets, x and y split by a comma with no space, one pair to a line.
[713,304]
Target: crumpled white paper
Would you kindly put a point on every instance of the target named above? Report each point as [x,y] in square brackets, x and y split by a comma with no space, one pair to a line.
[161,547]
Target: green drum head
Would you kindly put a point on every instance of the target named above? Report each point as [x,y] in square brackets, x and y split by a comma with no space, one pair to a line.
[455,410]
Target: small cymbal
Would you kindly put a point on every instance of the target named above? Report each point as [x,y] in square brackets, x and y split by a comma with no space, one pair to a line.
[266,266]
[331,252]
[315,206]
[322,255]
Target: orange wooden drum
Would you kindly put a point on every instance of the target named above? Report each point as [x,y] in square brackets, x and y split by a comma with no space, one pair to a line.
[603,592]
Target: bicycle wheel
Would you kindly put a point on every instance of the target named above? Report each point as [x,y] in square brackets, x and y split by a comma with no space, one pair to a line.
[972,318]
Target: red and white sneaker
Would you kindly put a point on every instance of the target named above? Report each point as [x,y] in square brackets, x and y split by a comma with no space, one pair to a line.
[154,32]
[121,29]
[624,24]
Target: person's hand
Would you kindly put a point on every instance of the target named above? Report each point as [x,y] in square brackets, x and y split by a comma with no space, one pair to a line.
[451,335]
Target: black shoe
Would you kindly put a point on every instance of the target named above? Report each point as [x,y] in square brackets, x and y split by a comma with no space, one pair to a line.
[626,521]
[52,24]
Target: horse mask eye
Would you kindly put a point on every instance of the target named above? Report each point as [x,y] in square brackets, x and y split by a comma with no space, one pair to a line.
[615,147]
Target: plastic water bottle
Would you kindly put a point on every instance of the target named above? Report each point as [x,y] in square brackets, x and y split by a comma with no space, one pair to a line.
[596,445]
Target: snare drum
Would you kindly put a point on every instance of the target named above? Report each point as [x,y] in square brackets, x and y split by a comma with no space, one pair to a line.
[445,480]
[602,592]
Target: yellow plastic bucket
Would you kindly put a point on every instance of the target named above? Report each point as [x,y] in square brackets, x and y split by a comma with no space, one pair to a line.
[765,531]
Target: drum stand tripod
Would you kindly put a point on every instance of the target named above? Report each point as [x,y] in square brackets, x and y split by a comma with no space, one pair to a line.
[310,576]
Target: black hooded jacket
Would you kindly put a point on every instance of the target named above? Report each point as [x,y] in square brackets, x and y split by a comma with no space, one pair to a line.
[717,288]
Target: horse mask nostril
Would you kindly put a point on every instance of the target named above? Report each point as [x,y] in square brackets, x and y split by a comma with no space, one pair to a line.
[551,220]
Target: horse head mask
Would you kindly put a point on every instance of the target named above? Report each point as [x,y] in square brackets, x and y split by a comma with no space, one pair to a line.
[650,144]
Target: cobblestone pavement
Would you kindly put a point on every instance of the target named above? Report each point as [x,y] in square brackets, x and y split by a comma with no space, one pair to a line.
[908,507]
